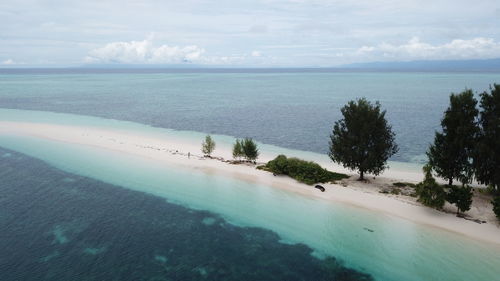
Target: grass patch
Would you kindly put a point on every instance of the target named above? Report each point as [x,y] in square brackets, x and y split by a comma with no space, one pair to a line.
[303,171]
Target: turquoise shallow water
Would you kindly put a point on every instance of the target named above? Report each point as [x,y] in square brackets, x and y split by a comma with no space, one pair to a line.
[57,226]
[292,110]
[396,249]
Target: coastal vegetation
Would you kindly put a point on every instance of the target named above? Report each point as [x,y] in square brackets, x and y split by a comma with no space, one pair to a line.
[496,206]
[461,196]
[467,148]
[208,146]
[429,192]
[362,140]
[237,150]
[245,148]
[450,155]
[487,149]
[307,172]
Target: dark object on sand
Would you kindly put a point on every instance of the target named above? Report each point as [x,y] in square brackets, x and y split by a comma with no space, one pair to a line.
[320,188]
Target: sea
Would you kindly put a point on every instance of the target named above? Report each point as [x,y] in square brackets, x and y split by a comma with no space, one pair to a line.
[70,212]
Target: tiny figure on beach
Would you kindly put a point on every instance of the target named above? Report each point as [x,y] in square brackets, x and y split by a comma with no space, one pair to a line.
[189,155]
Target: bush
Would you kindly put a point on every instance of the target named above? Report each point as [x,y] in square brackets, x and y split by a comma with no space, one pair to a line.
[250,150]
[238,150]
[429,192]
[279,165]
[208,146]
[304,171]
[496,206]
[395,191]
[461,197]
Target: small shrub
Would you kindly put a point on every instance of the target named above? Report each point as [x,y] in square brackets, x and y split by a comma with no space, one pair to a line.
[279,165]
[208,146]
[429,192]
[395,191]
[249,149]
[304,171]
[496,206]
[461,197]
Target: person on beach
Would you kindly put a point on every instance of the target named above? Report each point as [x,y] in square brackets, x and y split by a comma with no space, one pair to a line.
[189,155]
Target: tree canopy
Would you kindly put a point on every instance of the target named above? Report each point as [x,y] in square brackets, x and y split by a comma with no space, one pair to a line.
[250,149]
[461,196]
[451,153]
[208,145]
[238,150]
[362,140]
[487,153]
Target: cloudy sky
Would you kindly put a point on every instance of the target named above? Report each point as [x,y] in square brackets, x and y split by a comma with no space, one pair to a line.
[245,32]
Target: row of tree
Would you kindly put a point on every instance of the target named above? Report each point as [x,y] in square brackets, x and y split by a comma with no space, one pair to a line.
[245,148]
[468,146]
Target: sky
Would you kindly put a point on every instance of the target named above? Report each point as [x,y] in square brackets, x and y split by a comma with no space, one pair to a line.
[245,33]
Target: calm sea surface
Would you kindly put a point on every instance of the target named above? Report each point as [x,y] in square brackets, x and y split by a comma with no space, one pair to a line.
[69,212]
[289,109]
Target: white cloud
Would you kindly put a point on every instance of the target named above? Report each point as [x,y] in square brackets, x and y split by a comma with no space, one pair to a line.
[144,52]
[8,62]
[256,54]
[414,49]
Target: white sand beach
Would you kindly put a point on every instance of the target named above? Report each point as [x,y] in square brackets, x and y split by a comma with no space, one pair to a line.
[174,151]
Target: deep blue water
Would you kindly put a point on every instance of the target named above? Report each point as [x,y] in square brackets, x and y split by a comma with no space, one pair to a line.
[294,109]
[60,226]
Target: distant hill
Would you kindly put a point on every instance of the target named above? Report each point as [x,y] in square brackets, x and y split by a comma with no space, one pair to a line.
[436,65]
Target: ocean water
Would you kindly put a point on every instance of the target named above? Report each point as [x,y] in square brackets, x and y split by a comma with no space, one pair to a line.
[92,214]
[291,109]
[60,226]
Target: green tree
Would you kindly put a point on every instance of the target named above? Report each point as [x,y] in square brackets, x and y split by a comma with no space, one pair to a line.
[429,192]
[237,150]
[487,153]
[451,153]
[362,140]
[250,149]
[208,146]
[496,206]
[461,197]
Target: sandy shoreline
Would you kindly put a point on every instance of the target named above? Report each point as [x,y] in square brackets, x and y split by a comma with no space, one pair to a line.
[365,195]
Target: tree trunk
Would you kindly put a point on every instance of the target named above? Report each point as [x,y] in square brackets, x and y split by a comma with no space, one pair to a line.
[450,181]
[361,175]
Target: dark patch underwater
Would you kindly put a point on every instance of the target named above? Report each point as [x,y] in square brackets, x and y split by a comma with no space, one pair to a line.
[59,226]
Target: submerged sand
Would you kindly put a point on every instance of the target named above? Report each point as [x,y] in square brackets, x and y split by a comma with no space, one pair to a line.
[174,151]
